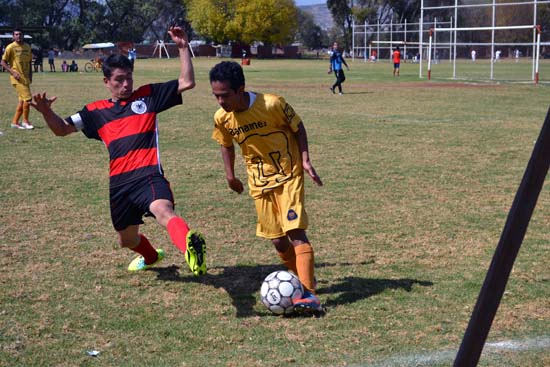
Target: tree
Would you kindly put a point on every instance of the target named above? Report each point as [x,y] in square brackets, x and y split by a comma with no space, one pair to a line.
[67,24]
[309,33]
[268,21]
[342,15]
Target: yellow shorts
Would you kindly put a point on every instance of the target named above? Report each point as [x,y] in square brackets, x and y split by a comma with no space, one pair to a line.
[281,209]
[23,92]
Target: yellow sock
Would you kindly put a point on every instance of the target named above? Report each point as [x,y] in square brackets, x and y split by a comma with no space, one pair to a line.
[304,264]
[289,259]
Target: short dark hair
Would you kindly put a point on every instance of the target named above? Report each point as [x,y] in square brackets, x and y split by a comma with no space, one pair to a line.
[115,62]
[229,71]
[17,30]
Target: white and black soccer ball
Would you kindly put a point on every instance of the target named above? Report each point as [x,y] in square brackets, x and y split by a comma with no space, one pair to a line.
[278,291]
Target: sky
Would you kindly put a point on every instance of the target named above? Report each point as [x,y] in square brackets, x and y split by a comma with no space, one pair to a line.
[309,2]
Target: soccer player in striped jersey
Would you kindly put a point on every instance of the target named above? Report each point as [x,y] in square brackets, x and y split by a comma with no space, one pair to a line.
[273,142]
[127,125]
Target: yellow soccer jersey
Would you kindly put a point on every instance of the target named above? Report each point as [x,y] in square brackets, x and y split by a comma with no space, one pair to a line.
[265,133]
[20,58]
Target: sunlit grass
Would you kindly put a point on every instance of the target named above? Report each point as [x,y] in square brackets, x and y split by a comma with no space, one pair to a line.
[419,177]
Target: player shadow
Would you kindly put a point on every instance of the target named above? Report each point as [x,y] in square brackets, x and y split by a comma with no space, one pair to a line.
[357,93]
[353,289]
[242,283]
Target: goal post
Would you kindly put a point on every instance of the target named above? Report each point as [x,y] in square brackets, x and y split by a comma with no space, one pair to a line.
[530,48]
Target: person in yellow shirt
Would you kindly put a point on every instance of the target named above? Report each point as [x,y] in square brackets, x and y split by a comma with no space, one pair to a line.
[17,60]
[274,144]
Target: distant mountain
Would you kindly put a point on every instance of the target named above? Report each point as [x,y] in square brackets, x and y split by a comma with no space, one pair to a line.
[321,15]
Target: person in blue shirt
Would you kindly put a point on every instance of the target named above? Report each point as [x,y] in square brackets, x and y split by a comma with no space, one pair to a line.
[336,61]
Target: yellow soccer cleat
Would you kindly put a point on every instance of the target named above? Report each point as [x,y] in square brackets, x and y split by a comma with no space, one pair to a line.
[138,263]
[195,255]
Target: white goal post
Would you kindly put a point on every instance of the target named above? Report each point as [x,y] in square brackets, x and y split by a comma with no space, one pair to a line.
[493,4]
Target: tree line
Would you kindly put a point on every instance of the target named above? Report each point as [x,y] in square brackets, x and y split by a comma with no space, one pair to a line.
[68,24]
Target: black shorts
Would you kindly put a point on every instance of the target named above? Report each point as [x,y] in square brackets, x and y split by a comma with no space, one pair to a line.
[131,201]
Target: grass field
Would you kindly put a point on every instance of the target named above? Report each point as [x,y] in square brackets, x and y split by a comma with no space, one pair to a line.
[419,177]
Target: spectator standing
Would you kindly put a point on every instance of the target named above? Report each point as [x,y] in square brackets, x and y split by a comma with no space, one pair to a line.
[51,59]
[38,61]
[132,56]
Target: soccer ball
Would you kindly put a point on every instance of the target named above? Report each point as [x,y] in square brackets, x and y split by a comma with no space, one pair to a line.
[278,291]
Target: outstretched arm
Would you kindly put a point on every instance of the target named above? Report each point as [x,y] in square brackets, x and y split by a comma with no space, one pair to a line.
[228,155]
[301,137]
[43,105]
[187,75]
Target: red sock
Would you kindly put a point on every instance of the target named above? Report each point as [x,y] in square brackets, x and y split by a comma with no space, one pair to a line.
[146,250]
[178,229]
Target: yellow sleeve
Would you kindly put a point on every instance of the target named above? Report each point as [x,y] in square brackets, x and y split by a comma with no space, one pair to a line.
[290,116]
[220,133]
[7,56]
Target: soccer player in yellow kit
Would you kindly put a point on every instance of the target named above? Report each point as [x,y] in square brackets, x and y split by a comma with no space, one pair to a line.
[274,144]
[17,60]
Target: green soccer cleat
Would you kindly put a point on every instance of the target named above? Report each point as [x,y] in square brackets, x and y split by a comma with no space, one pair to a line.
[138,263]
[195,255]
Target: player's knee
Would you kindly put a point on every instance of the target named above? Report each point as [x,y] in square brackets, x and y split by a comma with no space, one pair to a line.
[281,244]
[298,237]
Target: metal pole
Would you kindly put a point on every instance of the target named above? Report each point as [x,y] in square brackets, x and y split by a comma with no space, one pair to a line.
[435,40]
[493,44]
[534,37]
[365,56]
[353,41]
[507,249]
[420,38]
[450,44]
[430,57]
[405,39]
[391,34]
[378,39]
[454,42]
[538,57]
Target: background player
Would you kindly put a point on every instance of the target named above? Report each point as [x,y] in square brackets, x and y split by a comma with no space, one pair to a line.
[17,60]
[274,144]
[396,60]
[336,61]
[127,125]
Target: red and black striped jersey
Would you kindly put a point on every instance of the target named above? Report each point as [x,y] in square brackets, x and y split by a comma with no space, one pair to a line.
[129,129]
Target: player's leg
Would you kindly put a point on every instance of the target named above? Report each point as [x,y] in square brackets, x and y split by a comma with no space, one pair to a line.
[293,218]
[305,261]
[339,81]
[191,243]
[18,112]
[285,250]
[304,258]
[26,96]
[130,237]
[126,218]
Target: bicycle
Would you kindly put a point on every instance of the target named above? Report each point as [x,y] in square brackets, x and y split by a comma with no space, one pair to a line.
[93,65]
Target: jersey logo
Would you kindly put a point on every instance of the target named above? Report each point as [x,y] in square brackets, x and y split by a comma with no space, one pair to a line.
[291,215]
[139,107]
[289,112]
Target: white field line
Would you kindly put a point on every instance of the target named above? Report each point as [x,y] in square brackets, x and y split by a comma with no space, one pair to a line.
[448,356]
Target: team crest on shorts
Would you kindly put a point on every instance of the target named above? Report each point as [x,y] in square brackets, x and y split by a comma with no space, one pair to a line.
[139,107]
[291,215]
